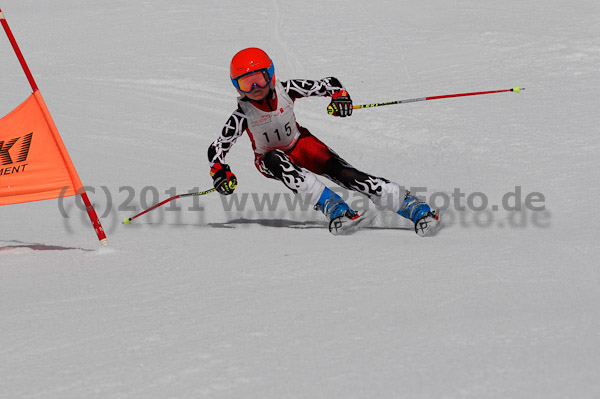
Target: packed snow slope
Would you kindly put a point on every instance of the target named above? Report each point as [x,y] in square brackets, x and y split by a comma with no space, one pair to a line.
[257,301]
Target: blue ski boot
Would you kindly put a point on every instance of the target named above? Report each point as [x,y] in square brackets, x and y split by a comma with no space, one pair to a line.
[342,219]
[426,221]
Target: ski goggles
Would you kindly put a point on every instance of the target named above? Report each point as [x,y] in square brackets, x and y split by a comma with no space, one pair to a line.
[248,82]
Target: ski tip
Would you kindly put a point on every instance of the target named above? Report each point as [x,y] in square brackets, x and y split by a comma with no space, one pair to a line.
[428,225]
[345,224]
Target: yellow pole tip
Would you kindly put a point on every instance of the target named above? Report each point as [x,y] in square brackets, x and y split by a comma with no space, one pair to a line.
[126,221]
[516,89]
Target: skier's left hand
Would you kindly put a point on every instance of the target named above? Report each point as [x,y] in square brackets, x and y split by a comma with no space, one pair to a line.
[341,104]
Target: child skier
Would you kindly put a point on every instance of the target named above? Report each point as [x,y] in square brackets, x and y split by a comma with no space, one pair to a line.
[288,152]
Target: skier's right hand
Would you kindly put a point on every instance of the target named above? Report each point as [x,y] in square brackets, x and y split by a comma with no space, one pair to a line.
[341,104]
[223,179]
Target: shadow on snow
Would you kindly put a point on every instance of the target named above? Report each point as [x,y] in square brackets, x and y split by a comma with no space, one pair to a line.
[35,246]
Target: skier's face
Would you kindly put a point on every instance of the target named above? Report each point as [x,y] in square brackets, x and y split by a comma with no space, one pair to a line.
[258,94]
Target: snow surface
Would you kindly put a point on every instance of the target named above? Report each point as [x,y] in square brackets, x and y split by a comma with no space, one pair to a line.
[251,304]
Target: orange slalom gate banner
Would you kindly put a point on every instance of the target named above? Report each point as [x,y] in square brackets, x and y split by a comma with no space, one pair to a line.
[34,163]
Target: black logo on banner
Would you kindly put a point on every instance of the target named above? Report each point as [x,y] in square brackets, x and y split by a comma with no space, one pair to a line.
[21,154]
[14,151]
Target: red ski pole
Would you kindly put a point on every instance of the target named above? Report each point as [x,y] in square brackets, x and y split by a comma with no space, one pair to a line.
[515,89]
[128,220]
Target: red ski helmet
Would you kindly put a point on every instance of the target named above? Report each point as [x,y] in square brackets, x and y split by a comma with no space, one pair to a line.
[250,68]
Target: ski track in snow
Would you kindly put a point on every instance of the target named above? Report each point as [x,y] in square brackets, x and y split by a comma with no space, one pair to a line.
[252,302]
